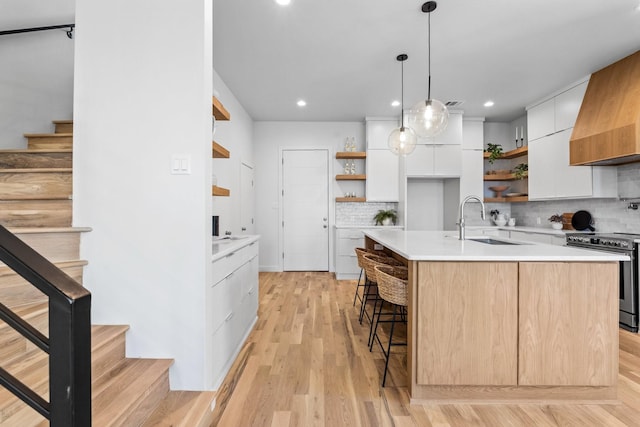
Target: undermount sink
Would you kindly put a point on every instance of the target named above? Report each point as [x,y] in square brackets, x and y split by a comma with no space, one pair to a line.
[490,241]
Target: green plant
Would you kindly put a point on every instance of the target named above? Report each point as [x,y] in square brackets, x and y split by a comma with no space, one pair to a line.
[521,170]
[384,214]
[555,218]
[495,151]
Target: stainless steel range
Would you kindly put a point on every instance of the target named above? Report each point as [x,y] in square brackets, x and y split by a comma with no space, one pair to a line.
[618,243]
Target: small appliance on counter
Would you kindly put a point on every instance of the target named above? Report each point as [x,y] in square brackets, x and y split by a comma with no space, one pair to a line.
[215,225]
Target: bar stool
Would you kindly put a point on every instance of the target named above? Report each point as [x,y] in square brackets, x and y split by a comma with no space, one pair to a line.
[392,287]
[369,261]
[359,254]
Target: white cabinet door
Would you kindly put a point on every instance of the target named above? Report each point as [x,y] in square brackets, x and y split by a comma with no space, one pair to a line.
[541,169]
[541,120]
[472,134]
[447,160]
[471,179]
[571,181]
[378,132]
[452,134]
[420,162]
[383,180]
[567,106]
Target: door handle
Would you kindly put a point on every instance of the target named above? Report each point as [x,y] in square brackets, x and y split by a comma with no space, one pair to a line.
[324,226]
[244,228]
[324,219]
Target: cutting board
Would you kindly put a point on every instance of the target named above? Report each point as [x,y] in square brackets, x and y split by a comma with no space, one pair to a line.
[566,221]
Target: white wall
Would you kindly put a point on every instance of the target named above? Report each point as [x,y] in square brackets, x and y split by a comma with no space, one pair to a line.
[236,135]
[36,84]
[269,138]
[143,85]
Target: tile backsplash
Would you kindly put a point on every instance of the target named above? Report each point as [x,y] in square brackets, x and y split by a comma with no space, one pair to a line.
[609,215]
[360,214]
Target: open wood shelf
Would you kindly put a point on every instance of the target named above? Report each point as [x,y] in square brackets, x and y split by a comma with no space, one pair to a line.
[503,177]
[351,199]
[518,152]
[506,199]
[219,112]
[351,155]
[358,177]
[219,191]
[218,151]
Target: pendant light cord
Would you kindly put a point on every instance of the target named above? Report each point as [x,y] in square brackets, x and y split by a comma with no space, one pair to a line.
[429,54]
[402,95]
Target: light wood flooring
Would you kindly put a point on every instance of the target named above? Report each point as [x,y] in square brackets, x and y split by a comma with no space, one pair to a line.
[307,364]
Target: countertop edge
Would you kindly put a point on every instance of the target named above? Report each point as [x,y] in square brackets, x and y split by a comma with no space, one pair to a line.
[233,246]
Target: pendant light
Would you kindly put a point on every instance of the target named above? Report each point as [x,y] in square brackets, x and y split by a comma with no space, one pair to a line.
[402,141]
[430,117]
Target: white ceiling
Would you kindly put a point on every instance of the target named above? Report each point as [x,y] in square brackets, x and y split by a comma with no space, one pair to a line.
[339,55]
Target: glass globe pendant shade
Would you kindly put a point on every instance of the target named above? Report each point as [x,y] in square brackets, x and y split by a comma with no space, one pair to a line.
[402,141]
[428,118]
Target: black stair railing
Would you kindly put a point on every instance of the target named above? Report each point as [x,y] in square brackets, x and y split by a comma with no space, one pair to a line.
[69,341]
[47,28]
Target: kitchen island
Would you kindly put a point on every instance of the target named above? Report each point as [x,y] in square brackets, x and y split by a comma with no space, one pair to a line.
[496,323]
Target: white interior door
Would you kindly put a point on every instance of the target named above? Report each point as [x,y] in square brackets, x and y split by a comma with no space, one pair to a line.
[305,210]
[246,199]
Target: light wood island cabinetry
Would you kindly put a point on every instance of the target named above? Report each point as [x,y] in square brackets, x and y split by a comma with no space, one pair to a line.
[512,323]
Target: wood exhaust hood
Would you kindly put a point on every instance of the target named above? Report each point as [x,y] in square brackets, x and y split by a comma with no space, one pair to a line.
[607,130]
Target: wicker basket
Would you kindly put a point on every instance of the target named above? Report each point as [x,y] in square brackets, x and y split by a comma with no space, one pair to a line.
[392,283]
[360,252]
[369,261]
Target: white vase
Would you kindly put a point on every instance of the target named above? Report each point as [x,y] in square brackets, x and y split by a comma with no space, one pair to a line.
[387,221]
[556,225]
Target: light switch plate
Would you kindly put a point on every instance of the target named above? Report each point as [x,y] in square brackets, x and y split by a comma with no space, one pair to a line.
[180,164]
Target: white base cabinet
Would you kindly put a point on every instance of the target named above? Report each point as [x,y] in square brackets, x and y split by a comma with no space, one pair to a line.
[232,308]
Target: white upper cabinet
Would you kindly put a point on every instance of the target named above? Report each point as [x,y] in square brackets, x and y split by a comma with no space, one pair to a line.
[383,167]
[434,161]
[471,182]
[473,134]
[567,106]
[551,176]
[451,135]
[378,131]
[555,114]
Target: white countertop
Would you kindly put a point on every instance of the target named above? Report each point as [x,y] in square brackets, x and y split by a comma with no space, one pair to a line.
[224,246]
[397,227]
[445,246]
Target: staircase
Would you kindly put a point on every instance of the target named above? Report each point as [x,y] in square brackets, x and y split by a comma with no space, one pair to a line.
[35,204]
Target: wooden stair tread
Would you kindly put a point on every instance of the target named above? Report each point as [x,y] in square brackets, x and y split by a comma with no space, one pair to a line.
[5,271]
[183,409]
[116,396]
[41,230]
[37,170]
[35,150]
[48,135]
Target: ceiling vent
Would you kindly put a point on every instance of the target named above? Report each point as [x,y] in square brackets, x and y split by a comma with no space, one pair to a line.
[450,104]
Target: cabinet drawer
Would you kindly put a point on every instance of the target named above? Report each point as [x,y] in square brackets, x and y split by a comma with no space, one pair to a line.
[349,233]
[250,251]
[223,298]
[223,344]
[348,246]
[225,266]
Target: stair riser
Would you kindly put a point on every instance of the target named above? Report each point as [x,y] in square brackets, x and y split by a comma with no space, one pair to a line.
[55,246]
[107,356]
[16,291]
[36,213]
[38,185]
[64,127]
[9,160]
[50,141]
[140,413]
[12,344]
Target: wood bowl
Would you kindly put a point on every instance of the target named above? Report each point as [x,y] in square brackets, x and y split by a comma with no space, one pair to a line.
[498,189]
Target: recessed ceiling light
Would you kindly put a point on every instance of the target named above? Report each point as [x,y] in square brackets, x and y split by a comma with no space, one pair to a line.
[301,103]
[488,104]
[395,103]
[283,2]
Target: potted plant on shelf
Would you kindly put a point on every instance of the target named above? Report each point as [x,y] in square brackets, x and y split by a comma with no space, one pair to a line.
[385,217]
[494,150]
[521,171]
[556,221]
